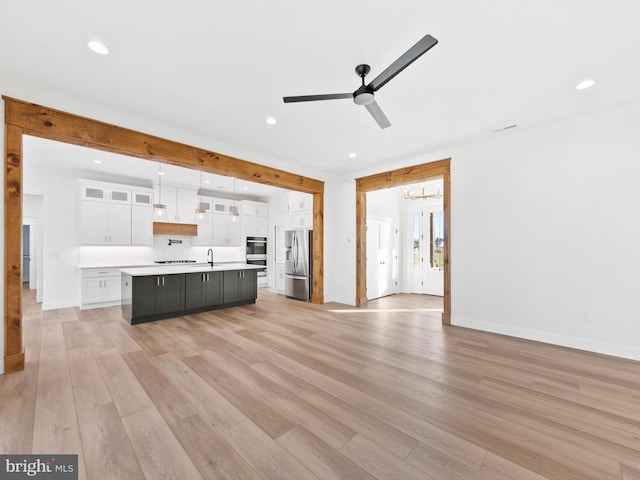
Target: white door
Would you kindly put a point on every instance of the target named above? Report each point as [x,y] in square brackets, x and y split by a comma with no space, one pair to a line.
[382,256]
[432,249]
[373,252]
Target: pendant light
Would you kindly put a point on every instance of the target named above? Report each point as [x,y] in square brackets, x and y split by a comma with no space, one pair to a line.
[160,209]
[201,213]
[233,210]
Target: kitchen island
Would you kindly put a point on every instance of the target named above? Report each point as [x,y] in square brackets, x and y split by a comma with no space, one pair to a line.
[159,292]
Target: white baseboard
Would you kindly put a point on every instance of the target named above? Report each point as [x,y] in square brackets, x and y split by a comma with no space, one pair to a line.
[56,305]
[612,349]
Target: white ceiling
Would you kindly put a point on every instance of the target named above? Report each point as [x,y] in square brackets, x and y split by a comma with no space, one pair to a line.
[215,70]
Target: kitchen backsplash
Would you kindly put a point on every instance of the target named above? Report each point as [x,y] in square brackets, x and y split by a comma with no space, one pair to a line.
[161,250]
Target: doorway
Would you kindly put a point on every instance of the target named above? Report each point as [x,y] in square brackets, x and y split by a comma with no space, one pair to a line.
[23,118]
[26,254]
[400,177]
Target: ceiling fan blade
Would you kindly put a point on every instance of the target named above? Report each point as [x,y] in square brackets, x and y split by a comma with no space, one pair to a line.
[378,115]
[403,62]
[311,98]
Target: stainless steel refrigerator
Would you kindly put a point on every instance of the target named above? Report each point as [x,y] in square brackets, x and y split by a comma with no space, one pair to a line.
[297,264]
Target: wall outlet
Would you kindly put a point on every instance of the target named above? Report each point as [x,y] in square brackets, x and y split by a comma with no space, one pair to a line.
[585,315]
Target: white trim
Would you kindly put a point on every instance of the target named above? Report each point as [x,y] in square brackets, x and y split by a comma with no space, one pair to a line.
[588,345]
[57,305]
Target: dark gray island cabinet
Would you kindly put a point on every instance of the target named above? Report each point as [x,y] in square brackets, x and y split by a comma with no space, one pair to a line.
[155,293]
[240,285]
[203,290]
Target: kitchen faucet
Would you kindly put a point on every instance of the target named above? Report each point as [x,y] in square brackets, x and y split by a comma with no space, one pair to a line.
[210,251]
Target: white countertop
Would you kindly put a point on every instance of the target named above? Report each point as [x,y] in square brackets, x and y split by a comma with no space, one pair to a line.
[187,268]
[120,265]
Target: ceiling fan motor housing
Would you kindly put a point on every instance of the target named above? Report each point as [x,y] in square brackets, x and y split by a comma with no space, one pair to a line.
[363,96]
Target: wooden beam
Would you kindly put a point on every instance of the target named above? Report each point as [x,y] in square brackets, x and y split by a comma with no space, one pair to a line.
[395,178]
[403,176]
[65,127]
[13,351]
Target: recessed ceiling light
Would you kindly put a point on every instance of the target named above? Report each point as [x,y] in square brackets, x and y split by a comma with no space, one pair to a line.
[98,47]
[97,162]
[207,181]
[271,121]
[352,155]
[160,173]
[245,188]
[584,84]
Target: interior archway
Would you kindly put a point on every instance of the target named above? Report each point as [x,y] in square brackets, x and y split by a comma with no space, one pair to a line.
[395,178]
[23,118]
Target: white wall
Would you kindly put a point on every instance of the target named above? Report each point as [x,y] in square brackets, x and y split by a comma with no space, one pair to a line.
[543,227]
[32,214]
[60,277]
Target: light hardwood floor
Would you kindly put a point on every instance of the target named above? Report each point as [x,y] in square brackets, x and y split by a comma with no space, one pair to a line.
[287,390]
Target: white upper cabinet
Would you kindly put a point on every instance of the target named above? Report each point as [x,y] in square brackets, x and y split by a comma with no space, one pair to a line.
[97,193]
[142,198]
[300,210]
[221,228]
[112,214]
[186,204]
[299,201]
[257,209]
[226,230]
[255,220]
[205,232]
[255,226]
[181,203]
[105,216]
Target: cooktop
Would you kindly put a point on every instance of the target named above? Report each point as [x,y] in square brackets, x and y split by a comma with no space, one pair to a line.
[175,261]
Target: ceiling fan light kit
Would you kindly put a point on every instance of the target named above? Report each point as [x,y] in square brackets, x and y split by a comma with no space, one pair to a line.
[365,95]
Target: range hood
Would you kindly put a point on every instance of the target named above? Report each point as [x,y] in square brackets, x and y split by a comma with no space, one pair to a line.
[166,228]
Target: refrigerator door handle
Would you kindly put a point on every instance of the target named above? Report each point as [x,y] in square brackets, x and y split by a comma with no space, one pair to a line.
[295,253]
[297,277]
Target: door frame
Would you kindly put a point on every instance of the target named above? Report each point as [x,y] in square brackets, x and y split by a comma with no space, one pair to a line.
[24,118]
[396,178]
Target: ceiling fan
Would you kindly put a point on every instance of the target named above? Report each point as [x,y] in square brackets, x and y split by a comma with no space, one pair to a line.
[365,94]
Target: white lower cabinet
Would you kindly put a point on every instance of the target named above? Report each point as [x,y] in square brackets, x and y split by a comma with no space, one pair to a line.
[100,287]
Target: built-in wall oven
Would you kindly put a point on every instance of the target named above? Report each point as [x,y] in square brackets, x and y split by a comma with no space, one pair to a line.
[257,255]
[257,246]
